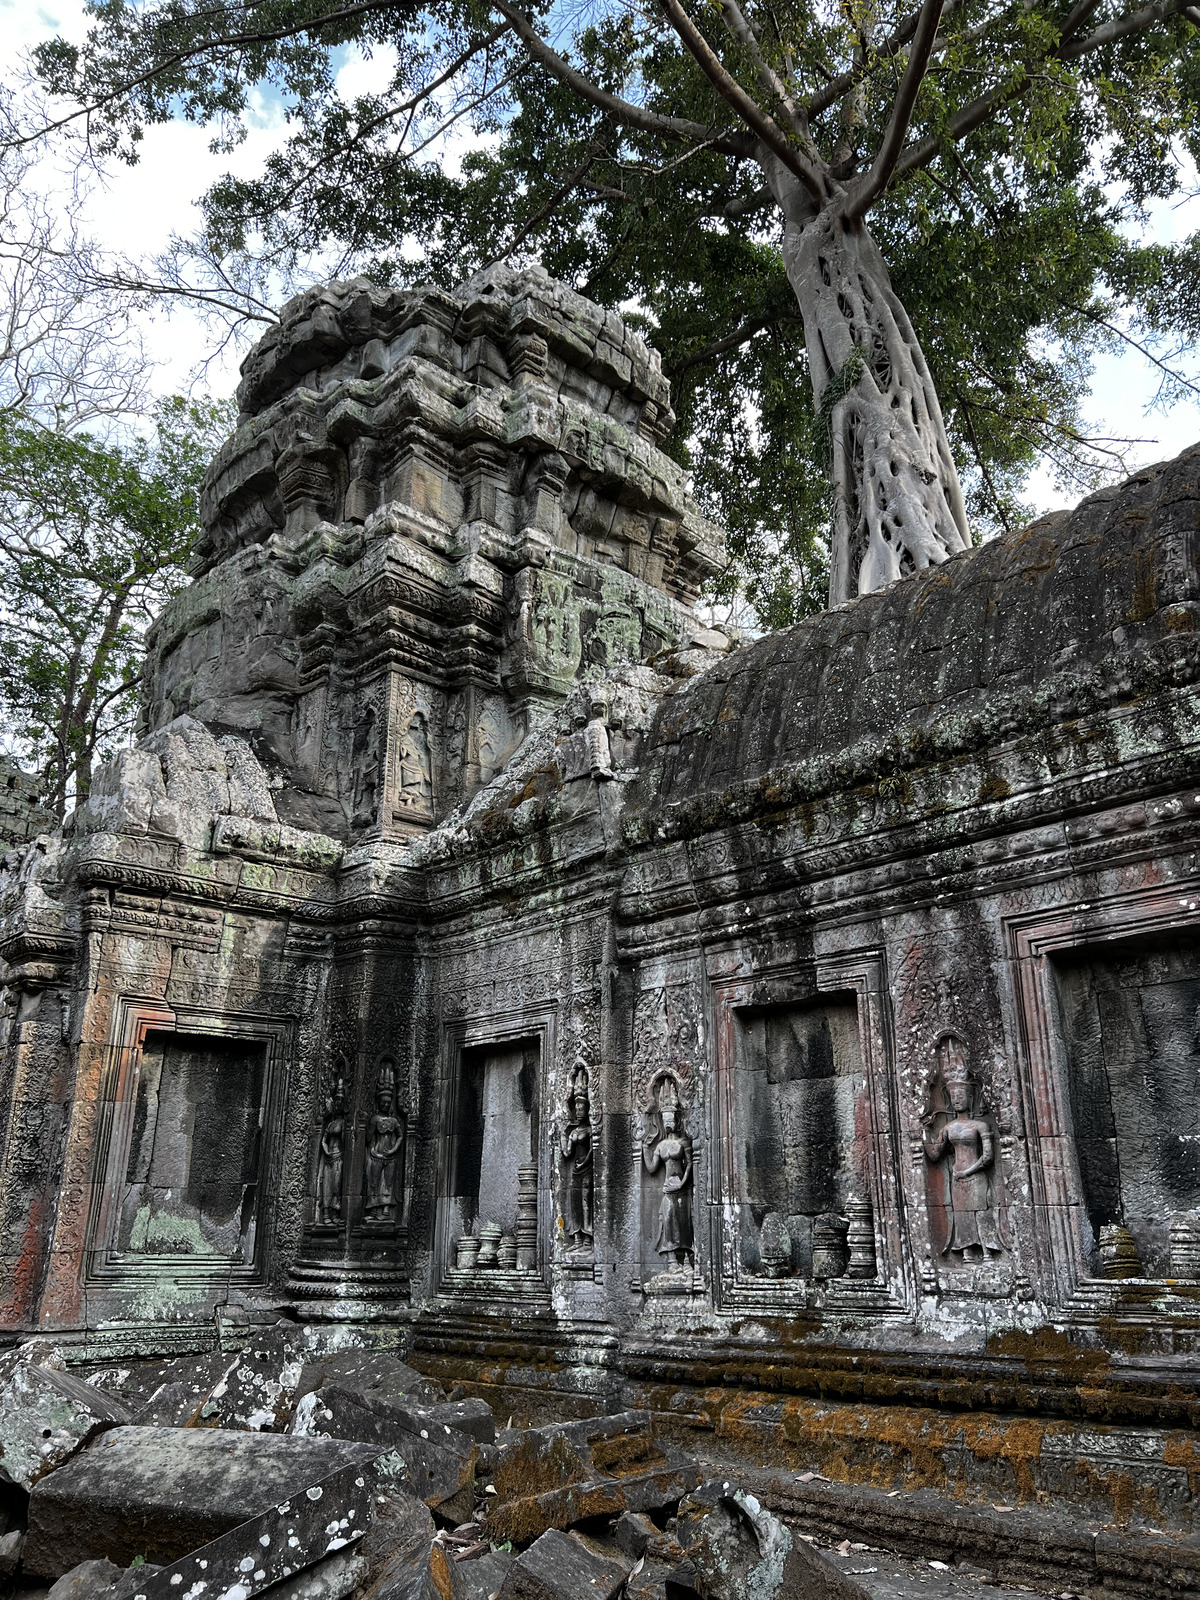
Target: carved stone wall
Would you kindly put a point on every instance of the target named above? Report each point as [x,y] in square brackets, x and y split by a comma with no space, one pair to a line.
[815,1016]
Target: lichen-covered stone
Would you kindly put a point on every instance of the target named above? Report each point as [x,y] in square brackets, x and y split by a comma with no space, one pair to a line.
[162,1492]
[46,1415]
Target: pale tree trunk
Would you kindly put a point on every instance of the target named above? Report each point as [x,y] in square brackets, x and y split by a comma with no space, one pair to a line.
[897,501]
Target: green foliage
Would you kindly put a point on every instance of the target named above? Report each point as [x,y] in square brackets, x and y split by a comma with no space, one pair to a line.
[93,539]
[1008,247]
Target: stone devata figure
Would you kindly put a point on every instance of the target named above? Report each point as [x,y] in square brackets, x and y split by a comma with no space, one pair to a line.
[953,1124]
[383,1174]
[331,1153]
[575,1147]
[666,1147]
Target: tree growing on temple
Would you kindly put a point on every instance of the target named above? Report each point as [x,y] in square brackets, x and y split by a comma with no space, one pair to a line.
[789,188]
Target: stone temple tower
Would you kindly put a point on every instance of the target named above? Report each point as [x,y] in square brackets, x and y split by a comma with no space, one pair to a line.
[438,511]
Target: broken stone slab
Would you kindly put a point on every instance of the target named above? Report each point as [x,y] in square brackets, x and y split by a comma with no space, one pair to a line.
[560,1566]
[440,1460]
[400,1558]
[46,1415]
[374,1373]
[309,1527]
[160,1492]
[564,1473]
[485,1575]
[737,1548]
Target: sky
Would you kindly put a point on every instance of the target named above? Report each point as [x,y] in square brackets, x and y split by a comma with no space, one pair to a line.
[139,208]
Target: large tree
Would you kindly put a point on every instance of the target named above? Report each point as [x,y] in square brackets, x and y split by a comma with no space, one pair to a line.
[748,171]
[94,537]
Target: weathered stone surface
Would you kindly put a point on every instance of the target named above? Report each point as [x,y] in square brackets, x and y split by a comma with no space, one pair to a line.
[401,1560]
[559,1566]
[159,1493]
[739,1551]
[554,1476]
[375,1374]
[440,1460]
[46,1415]
[87,1581]
[485,1576]
[480,958]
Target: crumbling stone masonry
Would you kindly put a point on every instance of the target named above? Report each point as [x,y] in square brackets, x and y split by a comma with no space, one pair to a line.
[799,1040]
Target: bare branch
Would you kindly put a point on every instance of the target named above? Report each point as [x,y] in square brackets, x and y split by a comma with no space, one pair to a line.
[732,341]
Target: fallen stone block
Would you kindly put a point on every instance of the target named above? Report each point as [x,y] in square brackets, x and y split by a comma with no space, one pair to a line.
[164,1393]
[374,1373]
[46,1415]
[401,1560]
[88,1581]
[160,1492]
[470,1416]
[485,1575]
[300,1534]
[440,1460]
[737,1549]
[564,1473]
[559,1566]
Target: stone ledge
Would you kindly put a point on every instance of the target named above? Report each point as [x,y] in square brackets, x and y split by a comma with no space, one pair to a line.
[1022,1545]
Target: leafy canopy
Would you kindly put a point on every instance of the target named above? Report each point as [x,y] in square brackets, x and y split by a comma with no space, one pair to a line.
[603,140]
[93,541]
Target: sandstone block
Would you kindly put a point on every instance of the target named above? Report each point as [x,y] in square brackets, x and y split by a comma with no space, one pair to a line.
[46,1415]
[160,1492]
[440,1460]
[737,1548]
[554,1476]
[560,1567]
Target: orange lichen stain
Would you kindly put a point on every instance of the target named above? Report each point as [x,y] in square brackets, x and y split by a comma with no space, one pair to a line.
[909,1447]
[1183,1450]
[1145,586]
[439,1571]
[1049,1347]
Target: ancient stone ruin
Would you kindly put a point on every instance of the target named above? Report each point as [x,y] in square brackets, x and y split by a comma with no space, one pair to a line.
[480,965]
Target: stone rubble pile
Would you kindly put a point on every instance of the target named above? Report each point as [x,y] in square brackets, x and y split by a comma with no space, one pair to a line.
[311,1474]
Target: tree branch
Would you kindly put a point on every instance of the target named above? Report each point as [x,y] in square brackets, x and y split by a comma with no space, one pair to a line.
[892,45]
[563,189]
[902,109]
[622,111]
[731,341]
[979,110]
[767,130]
[232,41]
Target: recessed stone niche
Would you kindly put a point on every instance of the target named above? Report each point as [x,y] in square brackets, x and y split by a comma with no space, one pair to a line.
[1131,1024]
[496,1131]
[192,1177]
[794,1107]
